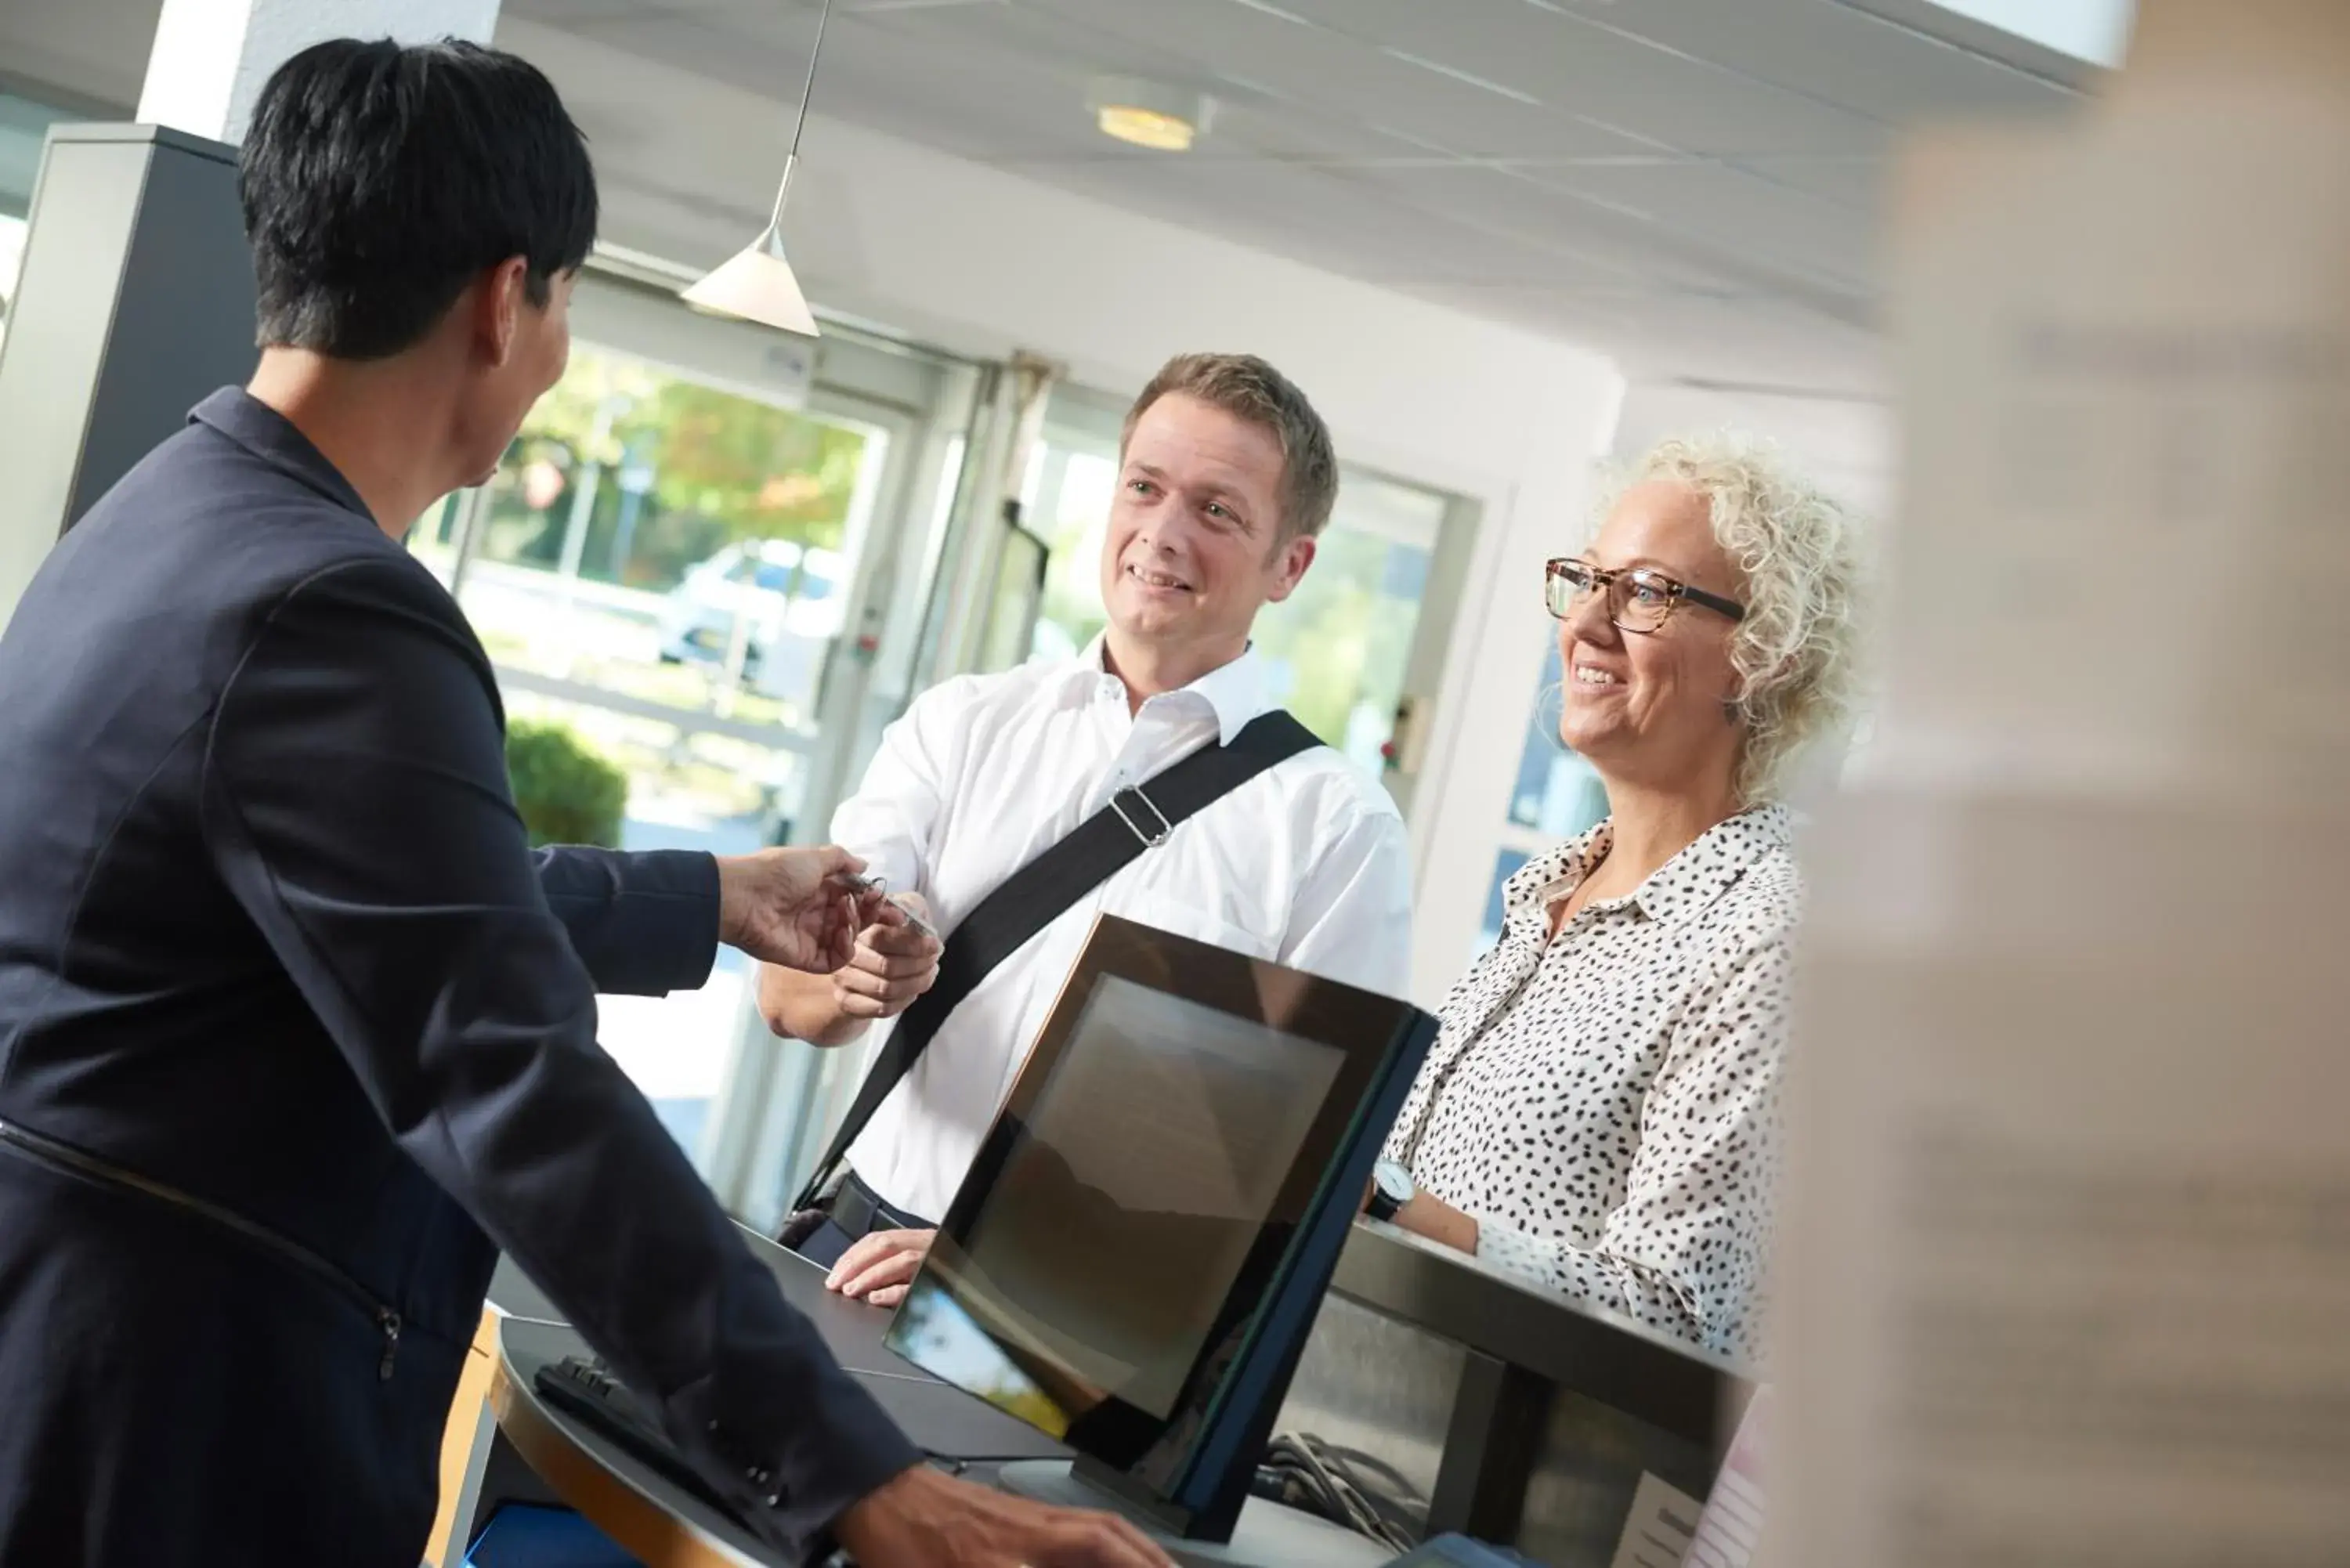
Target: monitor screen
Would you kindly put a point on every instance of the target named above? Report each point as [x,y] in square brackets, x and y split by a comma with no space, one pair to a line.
[1184,1114]
[1132,1192]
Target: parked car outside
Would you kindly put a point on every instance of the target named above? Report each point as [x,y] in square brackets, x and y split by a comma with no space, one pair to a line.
[788,599]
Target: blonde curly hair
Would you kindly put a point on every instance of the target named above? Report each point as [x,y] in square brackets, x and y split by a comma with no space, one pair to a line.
[1798,651]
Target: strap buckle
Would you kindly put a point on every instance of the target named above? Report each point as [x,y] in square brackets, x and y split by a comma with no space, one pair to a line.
[1150,840]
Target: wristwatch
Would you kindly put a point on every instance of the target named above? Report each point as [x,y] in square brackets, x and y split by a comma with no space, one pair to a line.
[1391,1187]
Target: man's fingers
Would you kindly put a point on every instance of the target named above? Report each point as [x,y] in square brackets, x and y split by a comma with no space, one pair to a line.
[852,1006]
[900,940]
[859,1255]
[880,1261]
[897,1268]
[1098,1540]
[894,966]
[855,979]
[1140,1549]
[833,861]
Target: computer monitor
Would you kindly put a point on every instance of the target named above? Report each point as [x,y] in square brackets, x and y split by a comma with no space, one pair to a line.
[1135,1260]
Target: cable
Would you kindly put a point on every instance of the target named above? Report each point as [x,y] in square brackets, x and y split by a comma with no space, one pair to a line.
[1302,1471]
[1380,1485]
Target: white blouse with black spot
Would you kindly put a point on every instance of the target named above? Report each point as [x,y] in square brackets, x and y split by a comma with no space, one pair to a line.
[1606,1104]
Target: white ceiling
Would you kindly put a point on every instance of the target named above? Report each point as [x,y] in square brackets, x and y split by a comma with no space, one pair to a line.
[1689,185]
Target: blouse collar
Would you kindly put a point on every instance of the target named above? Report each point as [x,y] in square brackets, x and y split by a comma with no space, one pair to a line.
[1678,890]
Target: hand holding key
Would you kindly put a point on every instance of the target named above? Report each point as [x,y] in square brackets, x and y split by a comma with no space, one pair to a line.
[895,960]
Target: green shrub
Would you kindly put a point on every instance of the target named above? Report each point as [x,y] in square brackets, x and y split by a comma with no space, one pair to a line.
[567,791]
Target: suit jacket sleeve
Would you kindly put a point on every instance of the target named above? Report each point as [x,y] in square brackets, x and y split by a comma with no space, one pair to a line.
[355,800]
[645,924]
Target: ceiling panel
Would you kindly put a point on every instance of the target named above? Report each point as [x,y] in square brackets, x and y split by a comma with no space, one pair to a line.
[1834,53]
[1692,185]
[1737,213]
[1341,75]
[573,13]
[993,106]
[1253,126]
[1478,204]
[1858,183]
[1382,239]
[1608,73]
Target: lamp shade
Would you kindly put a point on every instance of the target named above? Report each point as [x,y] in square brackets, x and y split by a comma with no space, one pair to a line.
[756,285]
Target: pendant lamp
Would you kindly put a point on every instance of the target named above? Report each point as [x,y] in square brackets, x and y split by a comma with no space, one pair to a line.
[756,284]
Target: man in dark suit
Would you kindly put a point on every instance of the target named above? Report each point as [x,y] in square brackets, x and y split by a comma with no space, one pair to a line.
[295,1033]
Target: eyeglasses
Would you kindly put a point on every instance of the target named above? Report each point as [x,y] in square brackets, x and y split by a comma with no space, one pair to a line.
[1639,600]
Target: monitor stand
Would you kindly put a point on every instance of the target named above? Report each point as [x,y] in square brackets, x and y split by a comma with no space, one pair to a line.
[1267,1536]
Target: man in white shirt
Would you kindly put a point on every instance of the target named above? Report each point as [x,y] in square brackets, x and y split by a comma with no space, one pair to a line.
[1226,478]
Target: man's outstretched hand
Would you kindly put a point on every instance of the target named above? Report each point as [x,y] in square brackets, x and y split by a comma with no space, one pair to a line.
[925,1519]
[800,909]
[879,1266]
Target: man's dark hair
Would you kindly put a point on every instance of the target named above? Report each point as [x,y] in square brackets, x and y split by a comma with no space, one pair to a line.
[378,181]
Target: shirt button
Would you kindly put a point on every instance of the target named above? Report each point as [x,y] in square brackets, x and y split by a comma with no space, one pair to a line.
[758,1475]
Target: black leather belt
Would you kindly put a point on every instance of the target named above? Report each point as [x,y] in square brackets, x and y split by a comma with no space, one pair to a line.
[860,1211]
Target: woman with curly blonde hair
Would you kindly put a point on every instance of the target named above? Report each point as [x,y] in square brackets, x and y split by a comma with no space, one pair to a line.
[1602,1112]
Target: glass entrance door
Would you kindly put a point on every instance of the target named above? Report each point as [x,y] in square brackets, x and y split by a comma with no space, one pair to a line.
[671,567]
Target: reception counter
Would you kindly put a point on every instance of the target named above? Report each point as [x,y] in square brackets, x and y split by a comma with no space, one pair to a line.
[1520,1418]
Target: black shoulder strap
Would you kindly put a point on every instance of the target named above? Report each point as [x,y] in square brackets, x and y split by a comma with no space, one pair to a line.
[1040,892]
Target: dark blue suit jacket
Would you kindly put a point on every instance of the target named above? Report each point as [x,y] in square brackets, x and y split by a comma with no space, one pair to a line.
[271,939]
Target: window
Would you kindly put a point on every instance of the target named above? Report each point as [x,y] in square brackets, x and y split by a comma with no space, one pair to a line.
[1558,794]
[647,572]
[2093,30]
[1557,797]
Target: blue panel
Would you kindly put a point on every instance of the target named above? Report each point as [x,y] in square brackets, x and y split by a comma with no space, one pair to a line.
[1404,575]
[524,1535]
[1506,865]
[1542,748]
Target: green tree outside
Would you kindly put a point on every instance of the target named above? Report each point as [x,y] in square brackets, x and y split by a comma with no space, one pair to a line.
[723,467]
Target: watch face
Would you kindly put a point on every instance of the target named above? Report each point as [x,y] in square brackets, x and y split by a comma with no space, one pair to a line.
[1394,1182]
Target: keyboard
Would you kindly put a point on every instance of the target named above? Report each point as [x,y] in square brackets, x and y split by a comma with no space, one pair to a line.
[584,1387]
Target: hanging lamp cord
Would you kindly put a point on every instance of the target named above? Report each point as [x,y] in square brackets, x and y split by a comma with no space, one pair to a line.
[809,89]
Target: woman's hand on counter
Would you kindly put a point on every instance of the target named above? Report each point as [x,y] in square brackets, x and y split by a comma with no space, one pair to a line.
[879,1266]
[1429,1216]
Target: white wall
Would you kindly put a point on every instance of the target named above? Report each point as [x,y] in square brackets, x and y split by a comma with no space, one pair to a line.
[1847,444]
[979,261]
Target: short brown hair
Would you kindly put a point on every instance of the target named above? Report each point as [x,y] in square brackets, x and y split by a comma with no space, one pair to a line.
[1246,387]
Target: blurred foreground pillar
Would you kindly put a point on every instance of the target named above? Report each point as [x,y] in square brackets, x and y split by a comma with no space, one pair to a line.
[2068,1259]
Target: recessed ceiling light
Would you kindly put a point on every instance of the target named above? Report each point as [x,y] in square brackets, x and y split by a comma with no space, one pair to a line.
[1149,114]
[1145,127]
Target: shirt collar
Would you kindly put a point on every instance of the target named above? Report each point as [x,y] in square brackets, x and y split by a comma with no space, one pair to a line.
[1233,692]
[1678,890]
[271,437]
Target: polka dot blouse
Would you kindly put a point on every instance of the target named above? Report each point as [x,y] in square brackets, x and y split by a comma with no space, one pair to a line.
[1606,1104]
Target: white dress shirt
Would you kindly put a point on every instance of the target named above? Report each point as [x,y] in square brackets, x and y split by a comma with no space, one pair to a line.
[1306,865]
[1607,1102]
